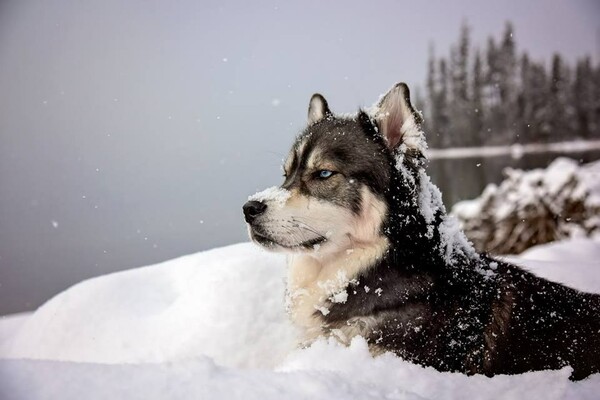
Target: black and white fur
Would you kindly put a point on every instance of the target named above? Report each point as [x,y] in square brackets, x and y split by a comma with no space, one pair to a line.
[374,254]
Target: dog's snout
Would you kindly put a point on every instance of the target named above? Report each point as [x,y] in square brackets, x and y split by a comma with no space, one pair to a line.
[253,209]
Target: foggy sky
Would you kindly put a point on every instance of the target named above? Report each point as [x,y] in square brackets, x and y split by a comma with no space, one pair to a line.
[132,132]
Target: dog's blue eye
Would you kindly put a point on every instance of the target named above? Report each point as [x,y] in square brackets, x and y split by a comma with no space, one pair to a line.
[324,173]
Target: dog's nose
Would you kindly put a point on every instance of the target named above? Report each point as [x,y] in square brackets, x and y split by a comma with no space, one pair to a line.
[253,209]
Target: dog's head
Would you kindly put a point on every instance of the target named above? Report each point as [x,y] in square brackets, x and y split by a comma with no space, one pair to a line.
[338,174]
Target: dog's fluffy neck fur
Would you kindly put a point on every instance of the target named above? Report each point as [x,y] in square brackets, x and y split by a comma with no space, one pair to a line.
[420,233]
[409,245]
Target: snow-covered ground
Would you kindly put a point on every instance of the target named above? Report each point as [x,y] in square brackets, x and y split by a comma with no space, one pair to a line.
[212,326]
[10,324]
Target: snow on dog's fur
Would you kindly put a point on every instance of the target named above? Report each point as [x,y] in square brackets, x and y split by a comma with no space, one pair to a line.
[372,253]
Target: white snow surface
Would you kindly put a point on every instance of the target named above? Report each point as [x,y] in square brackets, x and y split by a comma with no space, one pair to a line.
[212,326]
[573,262]
[10,324]
[224,303]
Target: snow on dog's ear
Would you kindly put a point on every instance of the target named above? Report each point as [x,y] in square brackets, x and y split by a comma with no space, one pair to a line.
[399,122]
[317,109]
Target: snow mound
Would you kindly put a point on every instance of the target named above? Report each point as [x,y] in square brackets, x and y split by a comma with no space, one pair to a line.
[534,207]
[224,303]
[212,325]
[574,262]
[573,251]
[10,324]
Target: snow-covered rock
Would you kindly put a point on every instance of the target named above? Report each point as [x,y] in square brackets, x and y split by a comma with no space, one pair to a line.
[534,207]
[212,325]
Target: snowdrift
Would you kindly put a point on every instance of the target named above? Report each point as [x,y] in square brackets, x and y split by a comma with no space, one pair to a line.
[212,325]
[225,303]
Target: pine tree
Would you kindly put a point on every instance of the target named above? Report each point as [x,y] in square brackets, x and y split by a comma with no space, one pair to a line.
[443,117]
[557,102]
[506,64]
[492,99]
[459,107]
[523,112]
[461,66]
[477,113]
[432,110]
[539,127]
[583,99]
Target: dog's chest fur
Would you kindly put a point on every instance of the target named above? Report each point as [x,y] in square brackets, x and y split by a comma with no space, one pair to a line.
[364,293]
[315,283]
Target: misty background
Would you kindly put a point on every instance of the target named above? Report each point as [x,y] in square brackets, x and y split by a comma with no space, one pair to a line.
[133,132]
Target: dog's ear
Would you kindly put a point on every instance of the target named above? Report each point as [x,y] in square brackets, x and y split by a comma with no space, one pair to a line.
[317,109]
[398,121]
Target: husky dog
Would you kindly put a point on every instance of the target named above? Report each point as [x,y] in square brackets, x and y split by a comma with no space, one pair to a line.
[374,254]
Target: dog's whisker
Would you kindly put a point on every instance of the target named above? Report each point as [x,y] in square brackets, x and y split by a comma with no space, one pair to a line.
[308,227]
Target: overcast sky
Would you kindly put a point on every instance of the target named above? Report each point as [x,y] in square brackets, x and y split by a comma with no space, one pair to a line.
[133,131]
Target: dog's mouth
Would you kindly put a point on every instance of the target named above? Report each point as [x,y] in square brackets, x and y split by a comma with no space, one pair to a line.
[269,242]
[263,239]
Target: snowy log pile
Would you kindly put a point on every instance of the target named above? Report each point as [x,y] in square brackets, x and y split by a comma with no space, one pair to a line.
[534,207]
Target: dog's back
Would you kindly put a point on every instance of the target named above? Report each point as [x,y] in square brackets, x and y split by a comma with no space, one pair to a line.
[513,323]
[540,324]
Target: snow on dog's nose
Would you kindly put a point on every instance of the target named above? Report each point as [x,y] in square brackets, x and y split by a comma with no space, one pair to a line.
[257,203]
[274,196]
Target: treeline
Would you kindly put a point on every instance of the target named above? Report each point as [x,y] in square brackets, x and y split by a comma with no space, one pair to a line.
[493,96]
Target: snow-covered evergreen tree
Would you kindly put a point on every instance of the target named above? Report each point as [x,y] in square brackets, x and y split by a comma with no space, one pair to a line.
[477,109]
[461,109]
[558,103]
[443,116]
[583,93]
[493,96]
